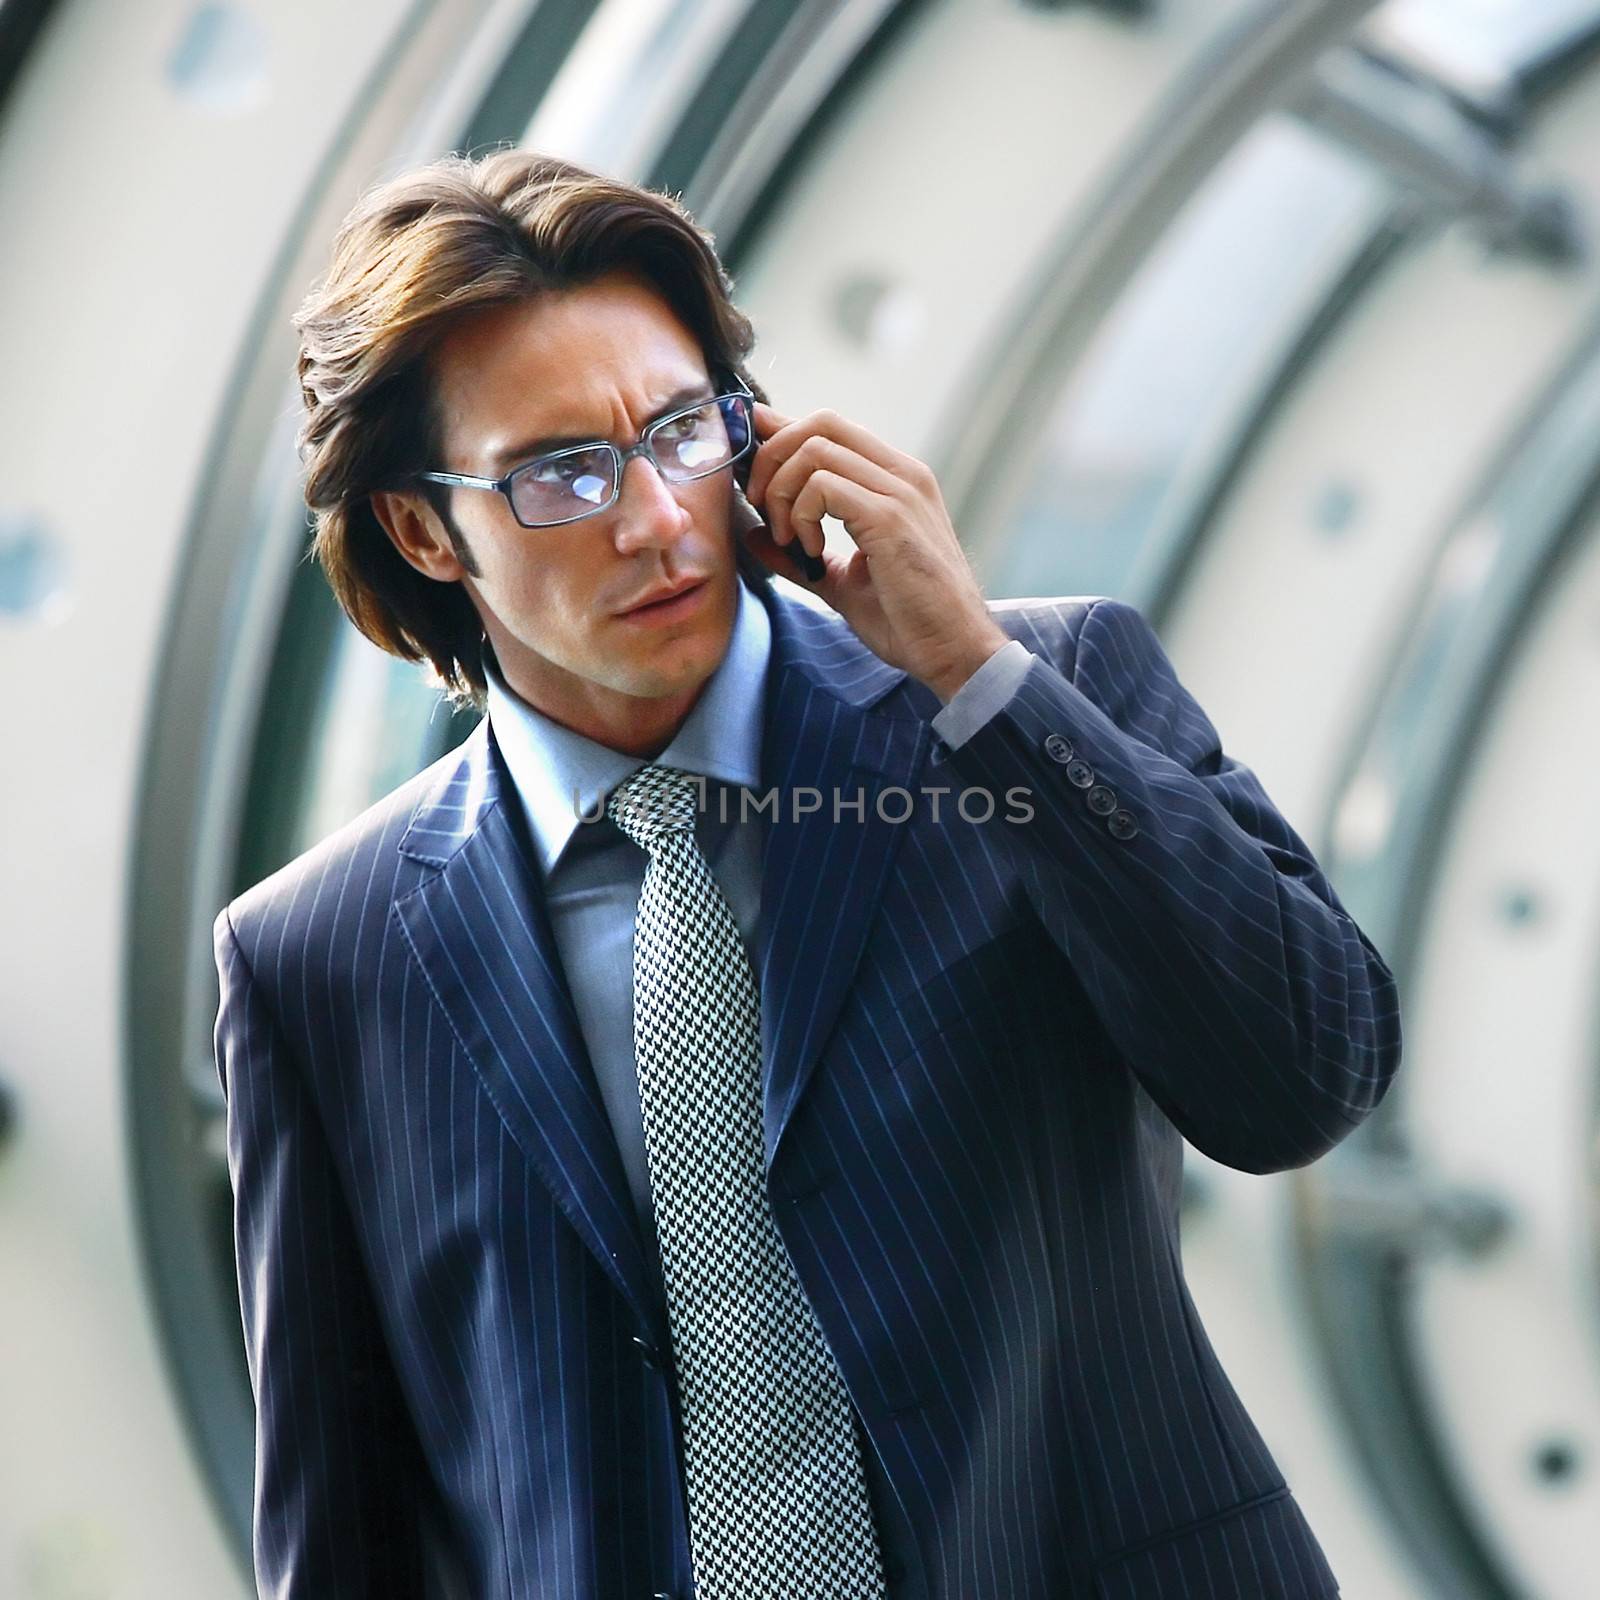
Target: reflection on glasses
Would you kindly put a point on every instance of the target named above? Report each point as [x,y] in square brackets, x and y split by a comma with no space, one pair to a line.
[586,479]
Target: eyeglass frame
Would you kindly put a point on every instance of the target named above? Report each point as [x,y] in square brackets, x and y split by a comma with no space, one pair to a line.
[641,447]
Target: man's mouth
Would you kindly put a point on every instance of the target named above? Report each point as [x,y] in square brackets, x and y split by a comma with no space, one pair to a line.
[671,603]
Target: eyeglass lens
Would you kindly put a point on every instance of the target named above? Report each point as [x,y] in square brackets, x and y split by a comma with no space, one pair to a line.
[690,445]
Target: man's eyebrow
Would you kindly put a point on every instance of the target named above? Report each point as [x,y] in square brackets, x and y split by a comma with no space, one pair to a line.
[700,389]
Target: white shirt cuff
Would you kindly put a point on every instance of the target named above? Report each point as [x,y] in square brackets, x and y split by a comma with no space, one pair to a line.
[983,694]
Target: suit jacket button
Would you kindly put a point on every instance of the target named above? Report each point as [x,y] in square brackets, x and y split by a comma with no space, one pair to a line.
[1057,748]
[1122,825]
[647,1350]
[1101,800]
[1080,774]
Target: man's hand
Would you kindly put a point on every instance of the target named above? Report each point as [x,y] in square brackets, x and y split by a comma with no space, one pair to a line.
[908,590]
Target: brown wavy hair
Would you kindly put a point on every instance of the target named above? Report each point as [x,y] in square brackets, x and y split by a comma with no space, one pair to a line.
[415,256]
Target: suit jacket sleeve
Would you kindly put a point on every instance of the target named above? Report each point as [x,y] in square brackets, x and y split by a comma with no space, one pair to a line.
[1238,989]
[335,1456]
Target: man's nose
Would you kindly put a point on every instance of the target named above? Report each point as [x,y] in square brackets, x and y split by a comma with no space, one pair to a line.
[649,512]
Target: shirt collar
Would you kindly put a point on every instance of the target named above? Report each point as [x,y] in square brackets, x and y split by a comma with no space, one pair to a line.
[563,776]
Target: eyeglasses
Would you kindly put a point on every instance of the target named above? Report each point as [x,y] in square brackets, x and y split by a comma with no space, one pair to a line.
[586,479]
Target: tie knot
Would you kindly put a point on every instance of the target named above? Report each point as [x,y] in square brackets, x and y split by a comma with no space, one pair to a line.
[654,801]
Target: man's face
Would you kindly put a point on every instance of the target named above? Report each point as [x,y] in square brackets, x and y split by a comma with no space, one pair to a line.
[601,362]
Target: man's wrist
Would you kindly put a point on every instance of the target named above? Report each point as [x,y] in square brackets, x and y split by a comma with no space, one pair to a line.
[949,679]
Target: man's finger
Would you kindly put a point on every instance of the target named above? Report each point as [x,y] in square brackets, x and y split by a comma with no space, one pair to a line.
[787,484]
[786,437]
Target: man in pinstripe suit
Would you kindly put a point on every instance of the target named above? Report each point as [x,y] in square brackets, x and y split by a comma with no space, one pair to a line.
[1019,927]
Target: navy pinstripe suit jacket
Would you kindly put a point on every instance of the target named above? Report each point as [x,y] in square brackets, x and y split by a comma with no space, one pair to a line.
[981,1042]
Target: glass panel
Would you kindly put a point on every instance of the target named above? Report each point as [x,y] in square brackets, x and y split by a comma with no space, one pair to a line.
[1160,398]
[1504,36]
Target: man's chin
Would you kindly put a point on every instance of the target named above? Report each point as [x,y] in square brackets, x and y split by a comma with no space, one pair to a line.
[678,664]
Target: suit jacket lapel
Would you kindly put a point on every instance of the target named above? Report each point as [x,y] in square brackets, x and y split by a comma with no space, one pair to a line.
[480,930]
[821,875]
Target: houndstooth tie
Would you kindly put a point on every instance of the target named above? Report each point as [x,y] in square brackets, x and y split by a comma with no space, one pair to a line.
[778,1505]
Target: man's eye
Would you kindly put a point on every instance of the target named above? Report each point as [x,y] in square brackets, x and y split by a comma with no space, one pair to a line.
[562,469]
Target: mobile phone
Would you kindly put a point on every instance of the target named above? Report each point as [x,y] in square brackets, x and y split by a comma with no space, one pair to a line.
[813,566]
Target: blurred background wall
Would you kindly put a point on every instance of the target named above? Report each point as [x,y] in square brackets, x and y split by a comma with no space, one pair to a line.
[1278,320]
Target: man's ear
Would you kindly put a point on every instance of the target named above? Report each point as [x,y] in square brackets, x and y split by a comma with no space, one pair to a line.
[414,528]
